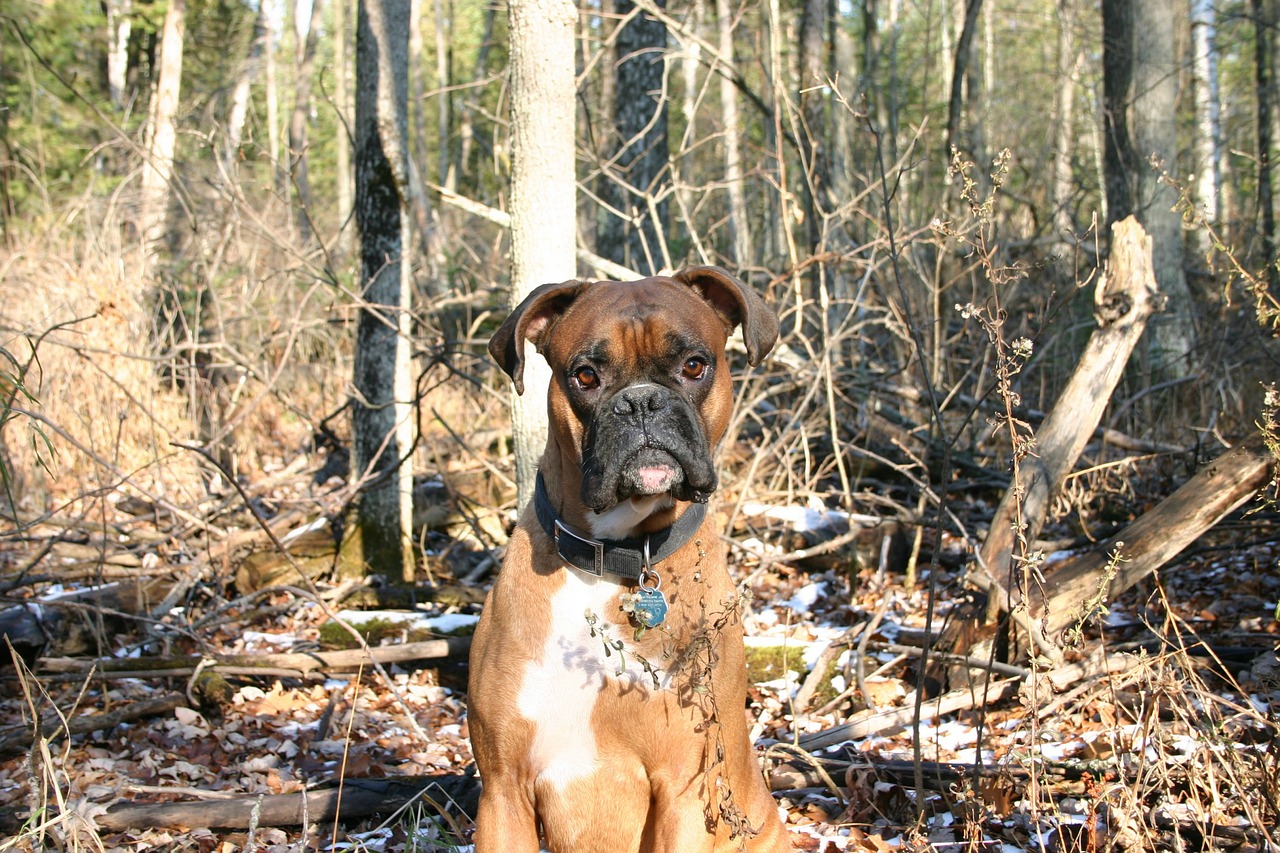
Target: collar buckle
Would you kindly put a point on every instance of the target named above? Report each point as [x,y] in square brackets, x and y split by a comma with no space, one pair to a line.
[597,549]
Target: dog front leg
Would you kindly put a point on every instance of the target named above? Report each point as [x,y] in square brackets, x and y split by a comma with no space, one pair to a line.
[505,822]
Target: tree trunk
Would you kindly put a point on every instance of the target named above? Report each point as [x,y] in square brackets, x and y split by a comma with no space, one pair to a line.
[417,90]
[382,406]
[739,227]
[119,26]
[1069,60]
[637,175]
[162,130]
[240,95]
[812,98]
[444,106]
[466,119]
[686,155]
[1264,21]
[308,32]
[1121,163]
[343,142]
[1155,97]
[543,191]
[959,74]
[280,175]
[1140,84]
[1208,144]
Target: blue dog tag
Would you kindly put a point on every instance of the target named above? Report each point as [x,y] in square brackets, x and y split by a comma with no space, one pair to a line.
[650,607]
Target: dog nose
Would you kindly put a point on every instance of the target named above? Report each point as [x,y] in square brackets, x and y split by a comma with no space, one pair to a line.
[640,399]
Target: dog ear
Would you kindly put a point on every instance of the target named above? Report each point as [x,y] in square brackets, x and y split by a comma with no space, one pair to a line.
[529,322]
[739,304]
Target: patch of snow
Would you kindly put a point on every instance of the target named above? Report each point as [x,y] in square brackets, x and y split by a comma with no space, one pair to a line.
[319,524]
[807,596]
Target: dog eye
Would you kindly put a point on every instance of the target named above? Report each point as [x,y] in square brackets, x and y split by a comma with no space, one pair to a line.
[695,368]
[586,378]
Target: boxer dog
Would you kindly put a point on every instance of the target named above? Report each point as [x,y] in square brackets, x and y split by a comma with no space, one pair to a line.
[608,682]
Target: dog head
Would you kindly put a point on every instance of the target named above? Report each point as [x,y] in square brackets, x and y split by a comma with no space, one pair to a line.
[640,392]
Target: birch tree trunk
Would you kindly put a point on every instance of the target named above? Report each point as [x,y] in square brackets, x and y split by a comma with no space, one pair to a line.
[444,106]
[543,192]
[417,90]
[689,100]
[162,130]
[1069,60]
[119,26]
[308,33]
[739,227]
[382,406]
[272,97]
[240,95]
[1208,144]
[341,100]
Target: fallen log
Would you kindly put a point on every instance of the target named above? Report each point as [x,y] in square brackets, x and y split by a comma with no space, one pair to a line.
[16,739]
[293,663]
[1124,300]
[356,798]
[1157,537]
[868,723]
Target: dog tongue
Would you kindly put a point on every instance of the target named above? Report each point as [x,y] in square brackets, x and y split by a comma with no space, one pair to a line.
[655,478]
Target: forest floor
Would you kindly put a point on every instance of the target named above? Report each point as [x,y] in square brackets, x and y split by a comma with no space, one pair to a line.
[1172,743]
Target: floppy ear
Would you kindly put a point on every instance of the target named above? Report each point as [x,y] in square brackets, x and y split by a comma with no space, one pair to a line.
[530,321]
[738,304]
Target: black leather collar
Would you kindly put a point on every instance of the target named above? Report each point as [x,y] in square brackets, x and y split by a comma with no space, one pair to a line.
[625,557]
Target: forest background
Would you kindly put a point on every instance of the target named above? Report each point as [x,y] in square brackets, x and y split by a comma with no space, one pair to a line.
[925,190]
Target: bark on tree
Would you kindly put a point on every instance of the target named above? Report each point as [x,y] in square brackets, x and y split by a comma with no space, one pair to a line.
[382,410]
[307,30]
[1264,20]
[543,192]
[690,98]
[1208,141]
[739,227]
[444,106]
[959,75]
[813,78]
[417,90]
[1069,61]
[162,130]
[341,100]
[1140,82]
[637,176]
[1172,338]
[272,97]
[1121,163]
[240,95]
[466,119]
[119,26]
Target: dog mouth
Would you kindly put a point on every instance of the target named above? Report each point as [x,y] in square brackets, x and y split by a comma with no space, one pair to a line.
[671,460]
[652,471]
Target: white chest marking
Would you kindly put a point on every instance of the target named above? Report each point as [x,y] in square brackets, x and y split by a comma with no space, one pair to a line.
[621,520]
[559,690]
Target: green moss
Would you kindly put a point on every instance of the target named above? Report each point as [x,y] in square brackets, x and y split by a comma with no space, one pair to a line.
[765,663]
[374,631]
